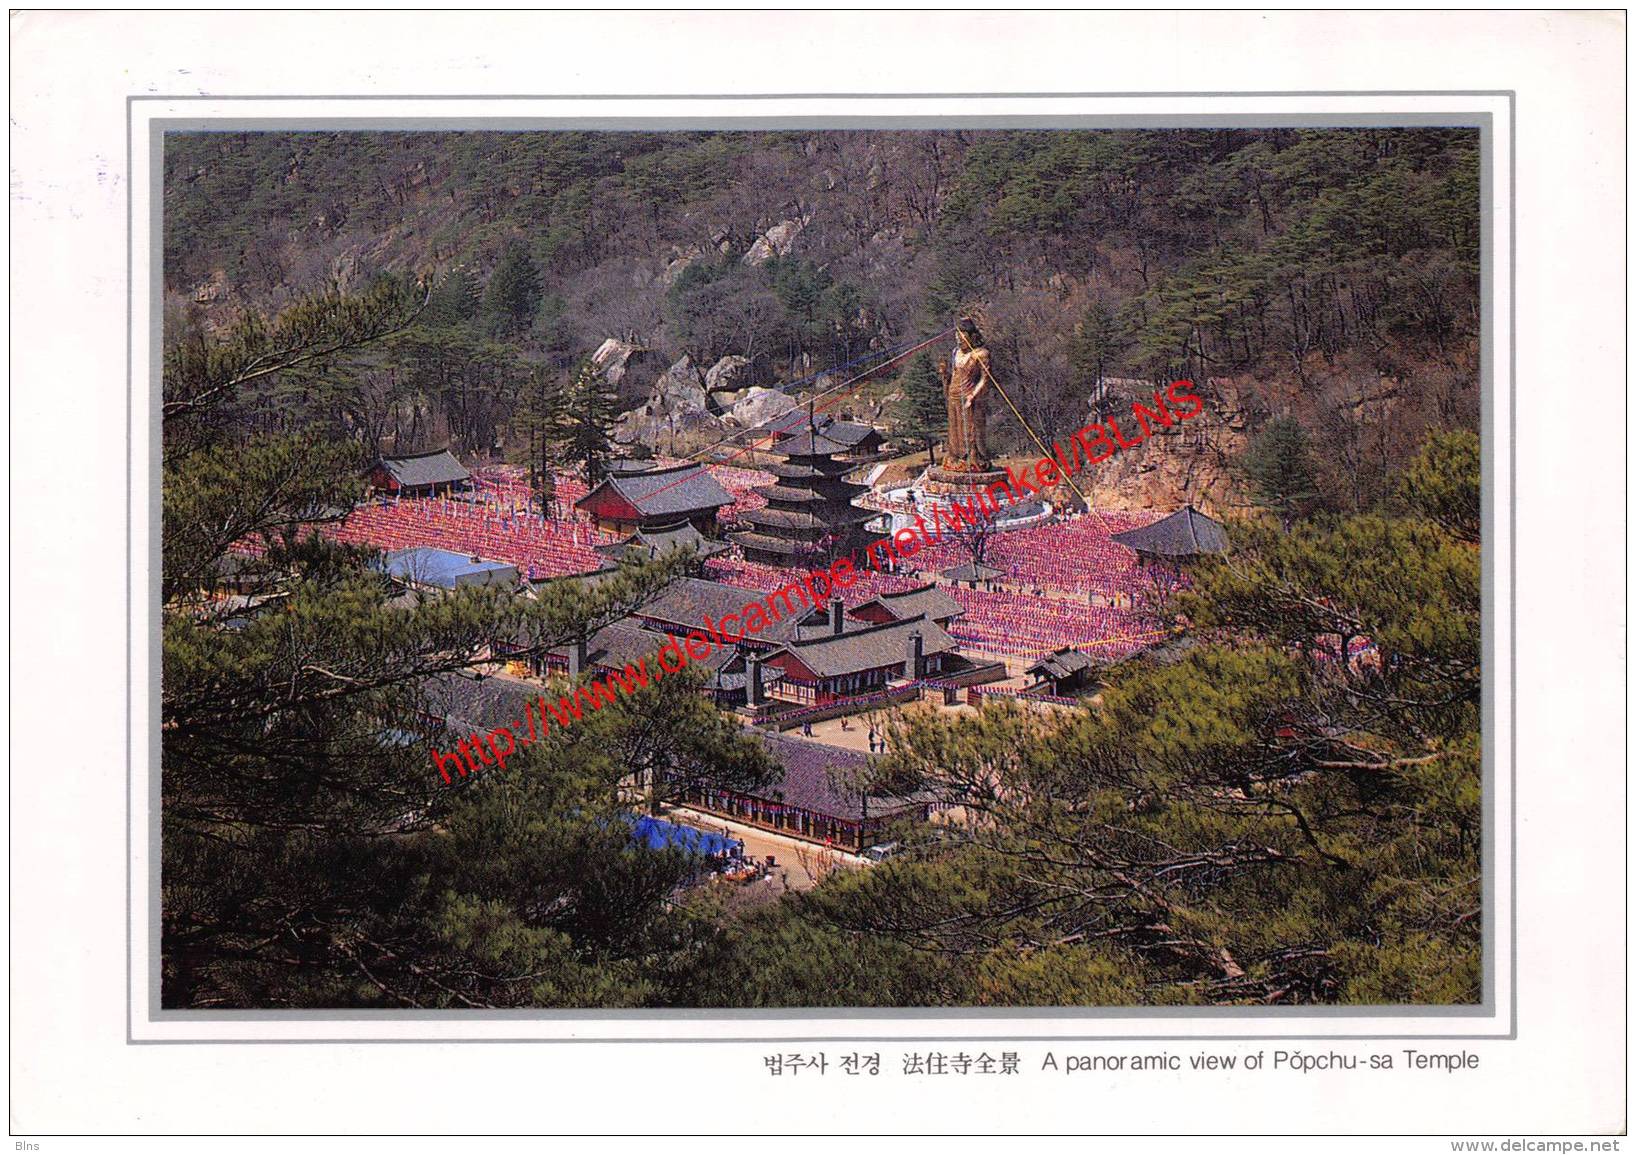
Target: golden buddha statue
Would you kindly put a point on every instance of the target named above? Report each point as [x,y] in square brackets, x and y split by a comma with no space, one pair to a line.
[965,384]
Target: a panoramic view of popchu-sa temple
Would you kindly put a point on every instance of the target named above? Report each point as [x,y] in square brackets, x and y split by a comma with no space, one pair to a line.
[1151,457]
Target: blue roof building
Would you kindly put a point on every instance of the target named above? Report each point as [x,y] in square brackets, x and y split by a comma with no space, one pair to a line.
[446,570]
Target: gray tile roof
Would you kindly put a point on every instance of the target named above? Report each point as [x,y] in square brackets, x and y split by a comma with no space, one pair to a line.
[849,433]
[687,602]
[869,648]
[619,644]
[1185,533]
[804,444]
[794,423]
[436,468]
[729,671]
[1062,663]
[471,703]
[767,515]
[680,489]
[932,601]
[658,540]
[807,770]
[801,471]
[789,493]
[749,539]
[808,780]
[1166,653]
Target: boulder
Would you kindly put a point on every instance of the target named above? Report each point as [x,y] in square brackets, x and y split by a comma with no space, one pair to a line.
[775,242]
[678,403]
[678,264]
[614,357]
[730,373]
[681,387]
[642,427]
[761,405]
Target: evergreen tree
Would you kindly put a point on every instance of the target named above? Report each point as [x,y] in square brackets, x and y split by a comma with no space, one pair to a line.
[512,300]
[454,301]
[1445,483]
[922,411]
[579,418]
[1100,338]
[1278,465]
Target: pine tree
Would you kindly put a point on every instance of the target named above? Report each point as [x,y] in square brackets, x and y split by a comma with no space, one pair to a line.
[512,300]
[454,301]
[1445,484]
[1246,818]
[1099,339]
[579,418]
[922,412]
[311,856]
[1278,465]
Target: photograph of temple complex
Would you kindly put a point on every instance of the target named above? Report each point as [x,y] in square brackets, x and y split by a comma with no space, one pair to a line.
[1119,702]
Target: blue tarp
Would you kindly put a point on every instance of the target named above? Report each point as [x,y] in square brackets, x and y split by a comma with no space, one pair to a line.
[656,834]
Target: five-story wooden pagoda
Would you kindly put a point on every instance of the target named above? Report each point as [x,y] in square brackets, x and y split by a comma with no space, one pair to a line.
[809,519]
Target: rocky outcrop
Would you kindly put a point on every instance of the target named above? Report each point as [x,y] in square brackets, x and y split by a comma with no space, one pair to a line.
[1189,461]
[343,271]
[682,385]
[677,265]
[677,404]
[614,358]
[208,292]
[761,405]
[775,242]
[728,374]
[629,369]
[681,258]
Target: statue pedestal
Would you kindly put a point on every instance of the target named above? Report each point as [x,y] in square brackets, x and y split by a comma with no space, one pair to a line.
[959,481]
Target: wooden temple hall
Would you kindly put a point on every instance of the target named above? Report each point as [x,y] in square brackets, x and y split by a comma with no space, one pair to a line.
[420,474]
[635,499]
[813,797]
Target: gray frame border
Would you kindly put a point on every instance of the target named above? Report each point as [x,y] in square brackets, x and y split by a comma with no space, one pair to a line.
[1482,121]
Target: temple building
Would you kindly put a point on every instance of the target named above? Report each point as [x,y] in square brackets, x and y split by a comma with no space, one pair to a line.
[974,574]
[861,441]
[1184,534]
[809,519]
[820,667]
[725,675]
[1063,673]
[651,543]
[814,796]
[931,601]
[420,475]
[692,603]
[656,500]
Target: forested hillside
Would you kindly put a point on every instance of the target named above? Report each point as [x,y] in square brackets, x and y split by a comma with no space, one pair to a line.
[1328,276]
